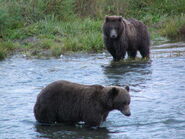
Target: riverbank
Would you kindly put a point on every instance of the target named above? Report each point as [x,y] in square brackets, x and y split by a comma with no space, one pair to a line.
[52,28]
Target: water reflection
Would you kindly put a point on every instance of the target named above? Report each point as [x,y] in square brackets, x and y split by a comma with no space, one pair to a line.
[72,132]
[133,73]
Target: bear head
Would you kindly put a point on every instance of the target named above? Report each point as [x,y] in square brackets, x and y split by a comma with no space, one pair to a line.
[118,98]
[113,26]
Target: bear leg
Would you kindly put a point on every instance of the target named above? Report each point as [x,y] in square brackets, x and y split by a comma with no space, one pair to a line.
[113,53]
[92,123]
[132,54]
[93,120]
[144,51]
[120,54]
[105,116]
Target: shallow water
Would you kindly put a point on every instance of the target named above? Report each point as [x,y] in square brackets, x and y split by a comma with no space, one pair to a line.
[157,91]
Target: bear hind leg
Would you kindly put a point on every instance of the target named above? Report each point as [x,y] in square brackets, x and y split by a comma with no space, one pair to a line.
[145,52]
[92,123]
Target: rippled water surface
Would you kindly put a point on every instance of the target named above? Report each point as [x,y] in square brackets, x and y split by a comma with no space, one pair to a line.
[157,93]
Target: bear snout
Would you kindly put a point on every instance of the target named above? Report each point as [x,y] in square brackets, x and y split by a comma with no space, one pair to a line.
[126,111]
[113,34]
[127,114]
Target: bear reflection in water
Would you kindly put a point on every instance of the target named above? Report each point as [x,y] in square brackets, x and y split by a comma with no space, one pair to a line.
[60,130]
[67,102]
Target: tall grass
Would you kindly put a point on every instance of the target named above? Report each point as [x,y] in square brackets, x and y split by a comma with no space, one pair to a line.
[5,48]
[173,26]
[75,25]
[100,8]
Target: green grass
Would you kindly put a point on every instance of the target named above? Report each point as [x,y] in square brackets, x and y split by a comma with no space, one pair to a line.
[5,48]
[172,26]
[62,26]
[59,37]
[86,36]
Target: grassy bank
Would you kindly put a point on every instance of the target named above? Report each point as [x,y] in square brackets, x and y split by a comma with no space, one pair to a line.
[53,27]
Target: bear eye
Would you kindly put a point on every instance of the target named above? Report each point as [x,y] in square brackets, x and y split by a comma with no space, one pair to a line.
[128,103]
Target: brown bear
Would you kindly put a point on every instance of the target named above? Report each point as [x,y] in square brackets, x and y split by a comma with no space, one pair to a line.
[122,35]
[67,102]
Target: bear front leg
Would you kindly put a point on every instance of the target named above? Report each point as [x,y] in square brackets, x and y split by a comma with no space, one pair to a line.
[120,54]
[122,49]
[124,53]
[92,124]
[93,121]
[105,116]
[132,54]
[112,52]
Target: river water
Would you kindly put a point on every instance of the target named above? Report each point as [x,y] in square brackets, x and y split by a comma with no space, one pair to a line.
[157,93]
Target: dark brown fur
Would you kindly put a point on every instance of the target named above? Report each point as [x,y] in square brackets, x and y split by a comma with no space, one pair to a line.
[68,102]
[132,37]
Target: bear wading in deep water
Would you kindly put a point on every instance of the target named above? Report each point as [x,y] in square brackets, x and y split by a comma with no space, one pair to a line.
[122,35]
[67,102]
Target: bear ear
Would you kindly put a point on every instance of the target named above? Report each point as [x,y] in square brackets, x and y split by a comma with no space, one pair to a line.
[113,92]
[120,19]
[127,88]
[106,18]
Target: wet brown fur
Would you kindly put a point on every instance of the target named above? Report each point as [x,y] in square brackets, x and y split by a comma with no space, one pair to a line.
[68,102]
[133,36]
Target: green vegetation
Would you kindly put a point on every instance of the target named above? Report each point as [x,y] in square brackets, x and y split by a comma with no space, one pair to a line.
[6,48]
[54,27]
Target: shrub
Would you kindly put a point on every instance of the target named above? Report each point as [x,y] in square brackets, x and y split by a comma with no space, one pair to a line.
[172,27]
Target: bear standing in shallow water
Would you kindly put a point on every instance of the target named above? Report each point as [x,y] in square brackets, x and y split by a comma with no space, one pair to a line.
[122,35]
[68,102]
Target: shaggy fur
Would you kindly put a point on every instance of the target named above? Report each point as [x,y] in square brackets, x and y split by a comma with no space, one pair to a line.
[68,102]
[122,35]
